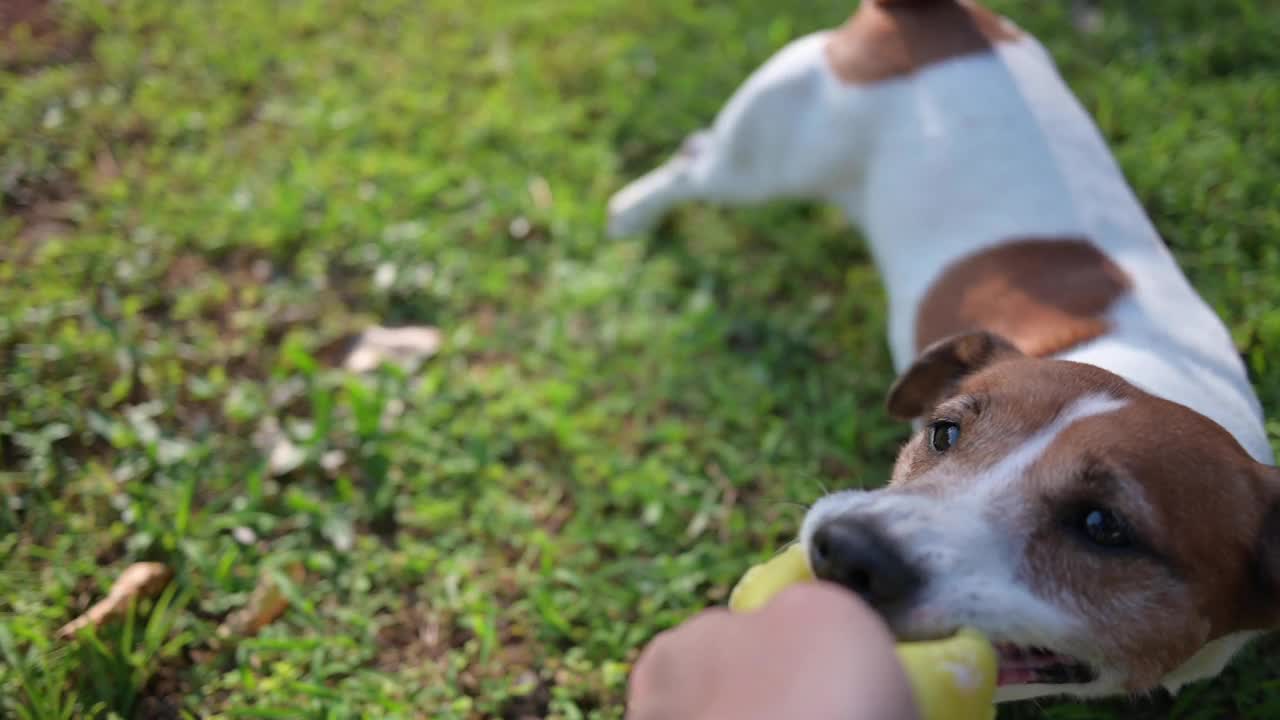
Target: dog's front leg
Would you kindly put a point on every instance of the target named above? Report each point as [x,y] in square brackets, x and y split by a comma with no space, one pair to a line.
[759,149]
[642,203]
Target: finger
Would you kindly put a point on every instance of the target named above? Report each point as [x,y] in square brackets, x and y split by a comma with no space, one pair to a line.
[672,665]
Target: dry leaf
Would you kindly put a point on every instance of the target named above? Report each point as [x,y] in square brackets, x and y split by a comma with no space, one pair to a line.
[385,276]
[283,456]
[405,346]
[540,191]
[332,461]
[520,227]
[138,581]
[244,535]
[265,606]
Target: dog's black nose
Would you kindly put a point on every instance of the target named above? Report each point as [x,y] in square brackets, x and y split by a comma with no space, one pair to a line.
[858,557]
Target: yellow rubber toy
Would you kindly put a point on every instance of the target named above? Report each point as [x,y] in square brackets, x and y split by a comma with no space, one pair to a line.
[952,679]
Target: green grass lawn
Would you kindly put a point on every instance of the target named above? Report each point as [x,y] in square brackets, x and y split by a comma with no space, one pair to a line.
[203,202]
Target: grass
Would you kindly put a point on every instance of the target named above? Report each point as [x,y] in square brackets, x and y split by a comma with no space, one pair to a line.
[203,201]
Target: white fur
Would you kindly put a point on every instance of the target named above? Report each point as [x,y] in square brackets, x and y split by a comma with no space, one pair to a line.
[1209,660]
[999,479]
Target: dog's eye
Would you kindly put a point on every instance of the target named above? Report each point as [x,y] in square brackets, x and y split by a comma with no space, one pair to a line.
[1105,528]
[943,434]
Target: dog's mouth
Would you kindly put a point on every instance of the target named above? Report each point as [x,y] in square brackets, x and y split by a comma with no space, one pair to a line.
[1040,666]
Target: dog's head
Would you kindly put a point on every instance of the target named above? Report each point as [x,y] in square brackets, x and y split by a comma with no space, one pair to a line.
[1107,540]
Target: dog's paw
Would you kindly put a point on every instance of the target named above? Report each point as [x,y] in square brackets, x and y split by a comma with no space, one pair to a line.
[642,204]
[623,223]
[629,214]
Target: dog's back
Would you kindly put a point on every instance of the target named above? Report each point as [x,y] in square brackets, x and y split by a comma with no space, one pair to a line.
[979,147]
[948,137]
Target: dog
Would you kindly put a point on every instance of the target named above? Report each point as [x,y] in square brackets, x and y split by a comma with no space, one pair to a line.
[1089,481]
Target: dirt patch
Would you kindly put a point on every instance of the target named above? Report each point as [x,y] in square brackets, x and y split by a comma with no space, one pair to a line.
[35,14]
[161,699]
[33,34]
[415,636]
[43,219]
[530,705]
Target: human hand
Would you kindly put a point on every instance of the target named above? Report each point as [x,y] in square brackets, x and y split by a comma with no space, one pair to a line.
[816,652]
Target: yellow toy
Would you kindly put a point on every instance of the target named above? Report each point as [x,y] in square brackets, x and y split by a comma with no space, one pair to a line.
[952,679]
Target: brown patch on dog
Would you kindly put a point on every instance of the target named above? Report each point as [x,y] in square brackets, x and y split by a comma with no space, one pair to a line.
[884,40]
[1043,295]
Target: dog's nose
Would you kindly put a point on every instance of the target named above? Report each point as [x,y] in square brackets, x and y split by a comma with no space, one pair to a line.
[860,558]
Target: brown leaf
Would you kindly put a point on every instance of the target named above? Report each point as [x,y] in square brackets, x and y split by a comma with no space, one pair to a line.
[404,346]
[139,580]
[265,606]
[540,191]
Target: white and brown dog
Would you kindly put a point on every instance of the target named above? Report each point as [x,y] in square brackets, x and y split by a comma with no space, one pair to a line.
[1091,482]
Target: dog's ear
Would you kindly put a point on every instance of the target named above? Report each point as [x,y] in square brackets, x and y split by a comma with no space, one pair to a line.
[934,375]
